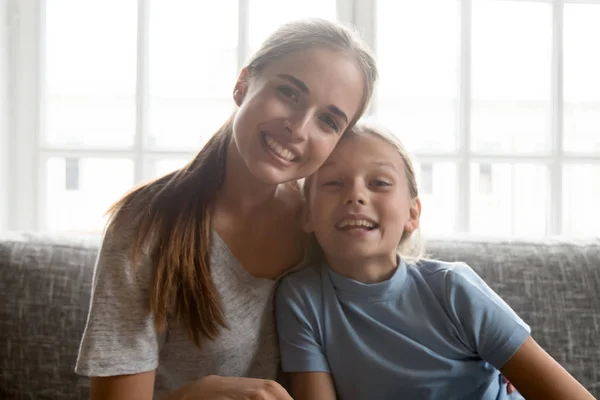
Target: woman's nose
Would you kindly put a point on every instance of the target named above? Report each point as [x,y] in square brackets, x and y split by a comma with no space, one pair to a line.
[299,126]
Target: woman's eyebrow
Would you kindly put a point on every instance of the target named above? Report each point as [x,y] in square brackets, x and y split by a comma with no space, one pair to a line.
[302,86]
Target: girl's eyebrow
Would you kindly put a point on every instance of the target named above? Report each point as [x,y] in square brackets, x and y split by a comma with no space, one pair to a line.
[327,164]
[385,164]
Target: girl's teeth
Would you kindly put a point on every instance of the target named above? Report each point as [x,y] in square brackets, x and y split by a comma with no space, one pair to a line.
[356,223]
[280,150]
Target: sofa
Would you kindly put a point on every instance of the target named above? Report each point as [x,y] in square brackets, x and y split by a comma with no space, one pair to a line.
[45,281]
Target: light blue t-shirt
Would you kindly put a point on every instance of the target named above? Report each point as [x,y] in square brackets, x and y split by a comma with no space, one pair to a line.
[434,330]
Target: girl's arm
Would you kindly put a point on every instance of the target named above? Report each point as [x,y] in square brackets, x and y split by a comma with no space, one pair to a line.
[536,375]
[312,385]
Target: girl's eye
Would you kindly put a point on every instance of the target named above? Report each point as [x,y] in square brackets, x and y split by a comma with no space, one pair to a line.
[381,183]
[332,183]
[288,92]
[330,122]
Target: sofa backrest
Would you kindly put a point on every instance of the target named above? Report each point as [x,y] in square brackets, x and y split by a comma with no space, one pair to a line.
[554,286]
[45,285]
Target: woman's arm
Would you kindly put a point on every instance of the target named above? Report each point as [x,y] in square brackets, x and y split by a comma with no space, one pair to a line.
[536,375]
[123,387]
[312,385]
[141,387]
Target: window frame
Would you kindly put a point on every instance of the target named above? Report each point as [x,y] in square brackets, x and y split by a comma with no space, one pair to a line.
[23,173]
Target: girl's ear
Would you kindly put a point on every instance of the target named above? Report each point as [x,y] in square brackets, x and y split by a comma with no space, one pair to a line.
[414,220]
[241,86]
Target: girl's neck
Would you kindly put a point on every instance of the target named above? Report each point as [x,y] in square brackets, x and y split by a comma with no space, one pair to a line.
[367,270]
[243,193]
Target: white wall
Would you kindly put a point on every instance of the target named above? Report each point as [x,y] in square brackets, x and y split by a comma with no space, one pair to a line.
[4,142]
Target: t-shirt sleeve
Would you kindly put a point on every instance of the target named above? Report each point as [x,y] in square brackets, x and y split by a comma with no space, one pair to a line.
[297,327]
[490,327]
[119,336]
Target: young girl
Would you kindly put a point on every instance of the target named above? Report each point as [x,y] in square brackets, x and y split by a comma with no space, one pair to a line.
[368,324]
[182,295]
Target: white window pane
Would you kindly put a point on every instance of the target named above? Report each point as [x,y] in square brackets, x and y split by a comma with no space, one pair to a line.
[509,199]
[417,51]
[511,66]
[164,166]
[90,121]
[581,197]
[186,123]
[192,70]
[90,67]
[581,77]
[80,191]
[267,15]
[193,48]
[424,125]
[438,191]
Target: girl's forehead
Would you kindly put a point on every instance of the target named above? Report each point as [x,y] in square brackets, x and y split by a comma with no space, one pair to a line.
[364,150]
[367,144]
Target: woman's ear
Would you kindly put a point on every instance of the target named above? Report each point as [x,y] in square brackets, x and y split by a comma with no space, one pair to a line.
[414,220]
[241,86]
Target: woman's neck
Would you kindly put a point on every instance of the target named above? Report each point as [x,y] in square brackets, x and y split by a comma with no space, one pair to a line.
[243,193]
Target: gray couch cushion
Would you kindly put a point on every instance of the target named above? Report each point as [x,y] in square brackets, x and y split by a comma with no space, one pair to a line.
[45,284]
[553,285]
[45,287]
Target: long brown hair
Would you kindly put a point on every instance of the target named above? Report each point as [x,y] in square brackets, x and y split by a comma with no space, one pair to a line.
[171,216]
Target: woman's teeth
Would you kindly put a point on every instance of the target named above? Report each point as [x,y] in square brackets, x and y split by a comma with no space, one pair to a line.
[279,149]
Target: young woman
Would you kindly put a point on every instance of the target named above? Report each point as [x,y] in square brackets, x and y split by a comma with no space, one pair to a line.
[182,295]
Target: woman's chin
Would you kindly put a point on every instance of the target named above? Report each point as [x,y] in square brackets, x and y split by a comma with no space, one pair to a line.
[273,175]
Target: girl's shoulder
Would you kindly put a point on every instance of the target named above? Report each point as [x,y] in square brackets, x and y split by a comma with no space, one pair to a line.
[430,267]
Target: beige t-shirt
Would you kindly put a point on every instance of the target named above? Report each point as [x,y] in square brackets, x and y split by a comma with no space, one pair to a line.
[120,337]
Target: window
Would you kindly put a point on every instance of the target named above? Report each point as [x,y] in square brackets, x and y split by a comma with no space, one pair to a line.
[126,104]
[498,100]
[501,98]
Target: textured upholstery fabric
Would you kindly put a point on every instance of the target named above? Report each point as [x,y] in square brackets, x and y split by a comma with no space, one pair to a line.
[45,284]
[554,286]
[45,288]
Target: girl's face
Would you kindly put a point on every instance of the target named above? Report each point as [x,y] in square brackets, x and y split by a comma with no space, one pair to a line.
[359,201]
[293,112]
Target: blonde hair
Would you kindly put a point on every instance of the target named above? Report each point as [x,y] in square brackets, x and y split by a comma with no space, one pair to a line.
[411,246]
[171,216]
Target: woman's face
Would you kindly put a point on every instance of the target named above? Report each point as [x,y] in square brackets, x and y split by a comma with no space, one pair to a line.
[293,112]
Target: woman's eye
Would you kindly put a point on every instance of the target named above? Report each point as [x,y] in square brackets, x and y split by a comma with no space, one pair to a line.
[330,122]
[288,92]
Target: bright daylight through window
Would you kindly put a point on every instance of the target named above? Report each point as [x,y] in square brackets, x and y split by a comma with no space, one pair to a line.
[498,100]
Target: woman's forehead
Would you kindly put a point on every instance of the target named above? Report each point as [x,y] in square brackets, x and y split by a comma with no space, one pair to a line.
[329,76]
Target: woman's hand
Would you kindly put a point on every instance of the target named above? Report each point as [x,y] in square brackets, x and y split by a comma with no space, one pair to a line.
[215,387]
